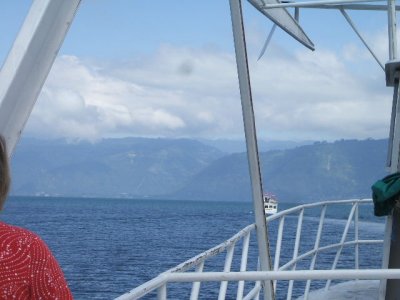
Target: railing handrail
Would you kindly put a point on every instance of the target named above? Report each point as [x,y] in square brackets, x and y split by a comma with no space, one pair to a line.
[312,205]
[212,252]
[325,248]
[179,274]
[342,274]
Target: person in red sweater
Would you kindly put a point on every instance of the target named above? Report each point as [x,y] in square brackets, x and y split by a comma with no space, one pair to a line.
[28,269]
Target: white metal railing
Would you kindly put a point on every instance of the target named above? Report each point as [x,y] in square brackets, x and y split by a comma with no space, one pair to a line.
[283,271]
[353,218]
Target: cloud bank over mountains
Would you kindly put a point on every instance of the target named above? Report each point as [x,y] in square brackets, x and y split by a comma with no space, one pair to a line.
[193,92]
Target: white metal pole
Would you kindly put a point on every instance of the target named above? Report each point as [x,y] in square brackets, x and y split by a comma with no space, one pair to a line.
[243,265]
[296,250]
[392,125]
[251,142]
[353,26]
[392,24]
[29,62]
[314,3]
[194,295]
[316,246]
[390,289]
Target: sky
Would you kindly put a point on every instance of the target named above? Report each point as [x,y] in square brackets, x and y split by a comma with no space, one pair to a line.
[167,69]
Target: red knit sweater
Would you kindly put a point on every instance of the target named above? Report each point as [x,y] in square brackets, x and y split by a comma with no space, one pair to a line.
[28,270]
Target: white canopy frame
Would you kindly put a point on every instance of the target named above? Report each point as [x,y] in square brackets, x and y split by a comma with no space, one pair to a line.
[29,62]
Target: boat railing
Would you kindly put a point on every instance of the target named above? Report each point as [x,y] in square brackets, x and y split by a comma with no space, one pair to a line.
[333,246]
[197,264]
[332,228]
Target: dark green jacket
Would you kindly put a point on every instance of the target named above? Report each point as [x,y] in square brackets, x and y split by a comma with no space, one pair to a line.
[384,194]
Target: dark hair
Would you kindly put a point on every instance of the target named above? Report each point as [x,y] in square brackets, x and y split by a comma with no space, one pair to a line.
[5,178]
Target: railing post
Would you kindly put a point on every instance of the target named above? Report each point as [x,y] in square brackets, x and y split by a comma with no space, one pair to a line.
[162,292]
[316,246]
[356,252]
[296,250]
[227,268]
[343,239]
[278,247]
[196,285]
[243,265]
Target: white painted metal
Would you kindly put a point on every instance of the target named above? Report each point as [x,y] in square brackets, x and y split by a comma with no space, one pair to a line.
[394,138]
[279,273]
[243,264]
[315,3]
[365,7]
[392,121]
[316,247]
[392,79]
[288,265]
[29,62]
[386,252]
[392,25]
[357,250]
[267,41]
[251,141]
[296,250]
[213,251]
[366,274]
[162,292]
[352,25]
[391,288]
[293,210]
[187,265]
[278,246]
[342,241]
[297,14]
[227,268]
[254,293]
[196,285]
[284,20]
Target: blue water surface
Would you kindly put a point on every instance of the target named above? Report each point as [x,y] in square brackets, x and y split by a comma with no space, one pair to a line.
[106,247]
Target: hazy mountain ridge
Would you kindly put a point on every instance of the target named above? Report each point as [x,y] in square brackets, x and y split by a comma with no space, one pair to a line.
[339,170]
[238,146]
[188,169]
[131,167]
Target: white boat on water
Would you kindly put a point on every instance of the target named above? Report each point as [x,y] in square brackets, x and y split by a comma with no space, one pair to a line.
[276,274]
[270,205]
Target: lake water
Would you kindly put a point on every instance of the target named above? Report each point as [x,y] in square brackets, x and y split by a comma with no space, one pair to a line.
[106,247]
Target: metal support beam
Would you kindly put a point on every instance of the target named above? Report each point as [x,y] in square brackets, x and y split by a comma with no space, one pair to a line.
[314,3]
[29,62]
[390,289]
[267,41]
[392,124]
[392,25]
[387,289]
[251,142]
[353,26]
[391,257]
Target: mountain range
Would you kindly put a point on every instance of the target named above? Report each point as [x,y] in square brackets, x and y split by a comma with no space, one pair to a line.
[195,170]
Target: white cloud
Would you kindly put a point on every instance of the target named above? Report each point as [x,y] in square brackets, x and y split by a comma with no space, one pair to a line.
[315,95]
[194,92]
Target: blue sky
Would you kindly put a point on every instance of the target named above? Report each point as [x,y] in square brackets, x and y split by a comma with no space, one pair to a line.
[166,68]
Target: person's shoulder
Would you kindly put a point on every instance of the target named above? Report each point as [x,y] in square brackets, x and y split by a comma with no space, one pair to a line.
[5,228]
[19,233]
